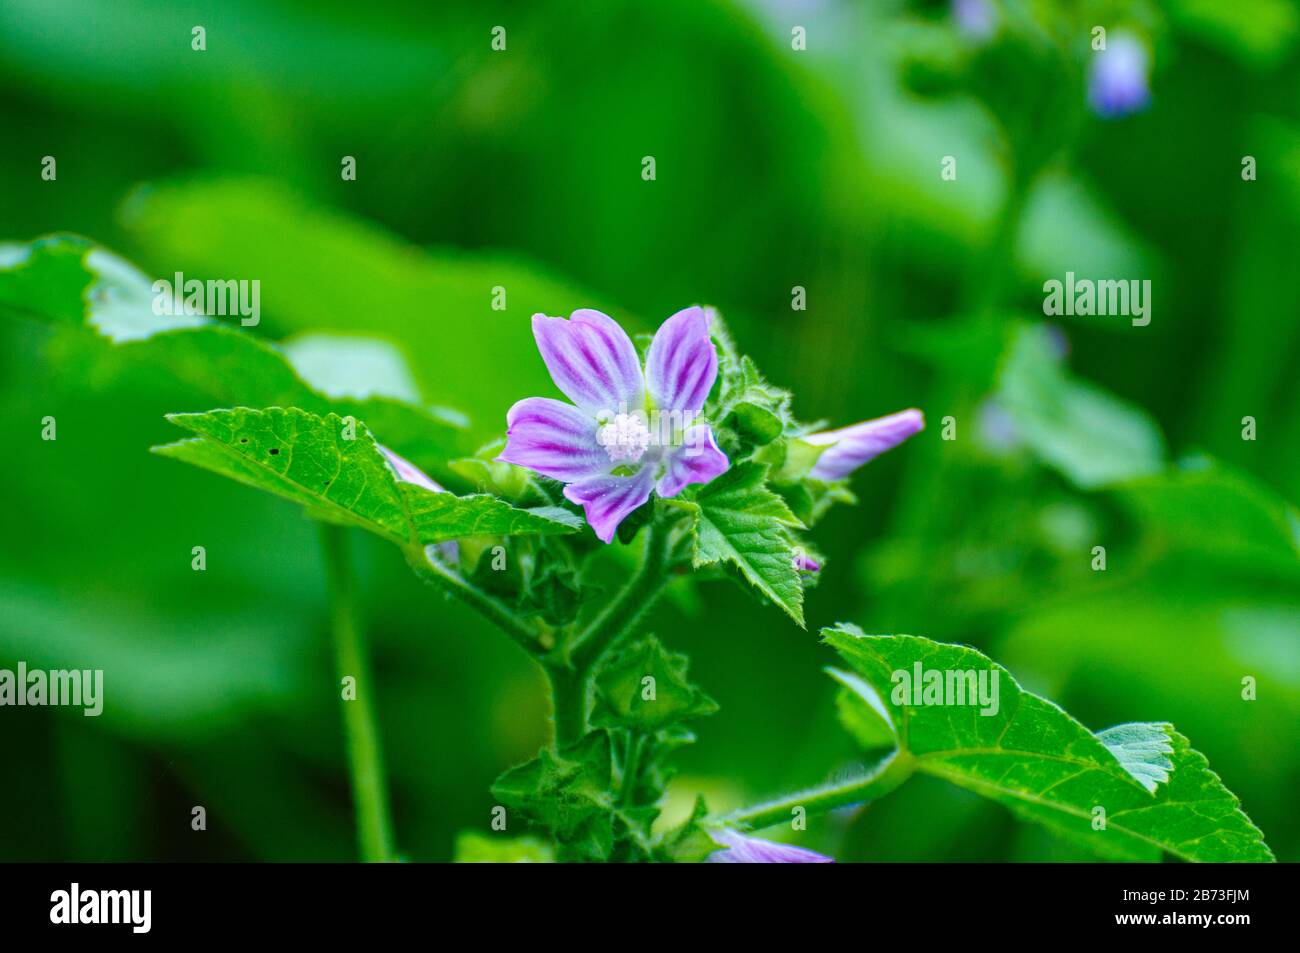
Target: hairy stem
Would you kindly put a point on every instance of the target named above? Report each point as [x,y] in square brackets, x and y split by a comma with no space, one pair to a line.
[631,769]
[882,779]
[568,705]
[365,760]
[629,606]
[448,580]
[571,671]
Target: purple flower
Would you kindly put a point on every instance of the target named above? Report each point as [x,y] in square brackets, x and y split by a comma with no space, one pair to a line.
[851,447]
[1117,81]
[628,430]
[408,472]
[805,563]
[741,849]
[978,19]
[996,430]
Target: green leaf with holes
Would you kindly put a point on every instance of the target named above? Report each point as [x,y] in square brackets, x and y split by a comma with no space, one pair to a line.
[333,467]
[1132,792]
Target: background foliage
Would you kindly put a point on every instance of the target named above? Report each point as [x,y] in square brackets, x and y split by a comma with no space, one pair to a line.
[775,168]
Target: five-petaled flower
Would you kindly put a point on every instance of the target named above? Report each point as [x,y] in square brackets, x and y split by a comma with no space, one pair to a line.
[628,431]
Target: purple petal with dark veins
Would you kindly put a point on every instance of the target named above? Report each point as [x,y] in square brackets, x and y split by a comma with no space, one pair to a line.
[682,363]
[697,460]
[554,439]
[608,500]
[592,360]
[741,849]
[851,447]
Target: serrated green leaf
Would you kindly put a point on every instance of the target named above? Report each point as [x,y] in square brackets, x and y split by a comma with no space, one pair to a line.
[1143,749]
[626,699]
[314,462]
[1045,766]
[567,793]
[740,522]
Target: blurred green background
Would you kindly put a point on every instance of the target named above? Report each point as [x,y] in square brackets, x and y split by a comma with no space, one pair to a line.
[775,168]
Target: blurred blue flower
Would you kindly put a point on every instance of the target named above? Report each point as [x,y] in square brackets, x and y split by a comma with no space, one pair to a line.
[1118,80]
[978,19]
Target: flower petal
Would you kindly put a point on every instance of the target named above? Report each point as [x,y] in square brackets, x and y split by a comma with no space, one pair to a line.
[408,472]
[607,500]
[554,439]
[851,447]
[1118,79]
[682,363]
[592,360]
[753,850]
[805,563]
[697,460]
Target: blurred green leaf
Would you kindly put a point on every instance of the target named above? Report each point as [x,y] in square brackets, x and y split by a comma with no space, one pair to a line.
[68,281]
[473,847]
[322,270]
[1091,437]
[1258,33]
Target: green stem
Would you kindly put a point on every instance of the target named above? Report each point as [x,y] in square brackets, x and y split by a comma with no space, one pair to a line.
[571,667]
[365,761]
[991,266]
[884,778]
[630,606]
[569,705]
[631,767]
[450,581]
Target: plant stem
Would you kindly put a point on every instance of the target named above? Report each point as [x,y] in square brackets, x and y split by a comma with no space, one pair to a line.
[630,606]
[570,668]
[365,761]
[568,705]
[631,768]
[882,779]
[448,580]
